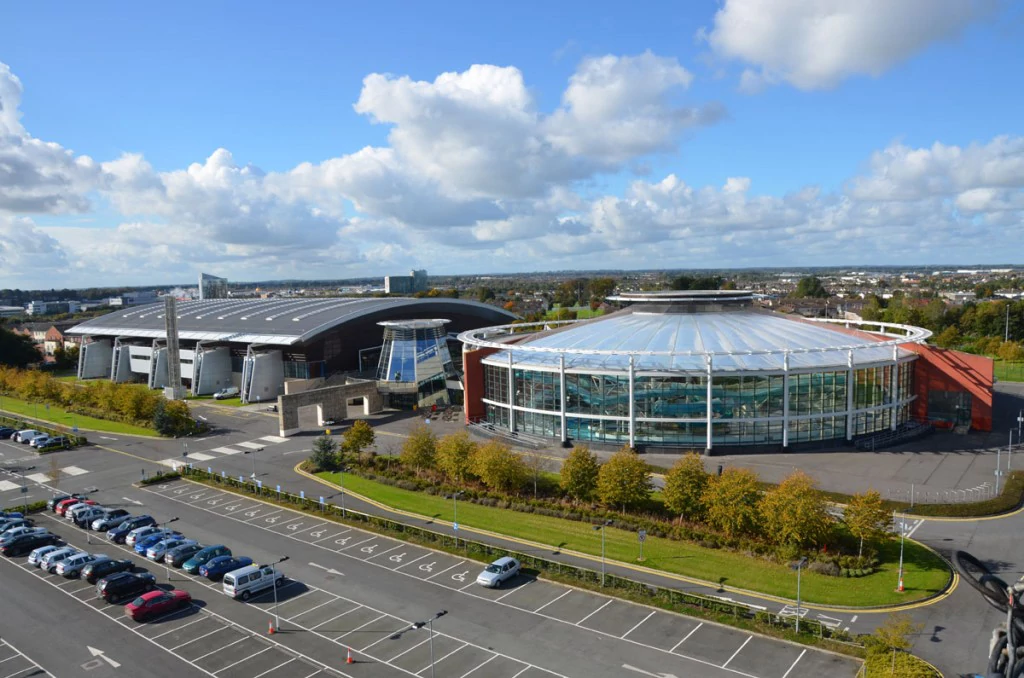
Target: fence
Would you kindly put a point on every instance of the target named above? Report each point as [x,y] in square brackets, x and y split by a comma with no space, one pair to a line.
[662,596]
[982,492]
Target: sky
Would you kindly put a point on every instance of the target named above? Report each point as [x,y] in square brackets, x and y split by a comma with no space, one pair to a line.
[142,143]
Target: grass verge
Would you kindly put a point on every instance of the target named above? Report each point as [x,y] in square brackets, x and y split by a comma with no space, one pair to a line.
[230,402]
[925,573]
[60,417]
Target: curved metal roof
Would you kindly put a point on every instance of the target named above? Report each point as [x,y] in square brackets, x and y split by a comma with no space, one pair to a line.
[742,340]
[271,321]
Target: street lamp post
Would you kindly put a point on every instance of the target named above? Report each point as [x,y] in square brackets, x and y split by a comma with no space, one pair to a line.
[273,569]
[166,566]
[798,566]
[903,533]
[455,513]
[253,453]
[601,527]
[341,485]
[430,630]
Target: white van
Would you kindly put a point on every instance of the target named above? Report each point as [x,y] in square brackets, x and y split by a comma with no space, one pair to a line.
[225,393]
[244,582]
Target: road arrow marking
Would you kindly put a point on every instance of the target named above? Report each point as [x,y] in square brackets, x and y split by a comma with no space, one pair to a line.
[99,653]
[648,673]
[137,503]
[328,570]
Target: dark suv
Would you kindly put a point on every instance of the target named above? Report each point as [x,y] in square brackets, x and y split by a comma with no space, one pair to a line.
[105,567]
[177,556]
[120,533]
[125,586]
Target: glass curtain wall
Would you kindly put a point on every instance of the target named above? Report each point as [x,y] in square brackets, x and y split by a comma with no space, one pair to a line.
[673,409]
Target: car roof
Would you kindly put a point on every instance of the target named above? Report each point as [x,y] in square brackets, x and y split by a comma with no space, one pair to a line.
[503,560]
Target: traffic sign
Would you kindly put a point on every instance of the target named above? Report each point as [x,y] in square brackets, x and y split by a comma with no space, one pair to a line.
[24,489]
[455,526]
[642,535]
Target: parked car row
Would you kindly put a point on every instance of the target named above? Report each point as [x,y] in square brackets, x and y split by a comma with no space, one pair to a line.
[34,438]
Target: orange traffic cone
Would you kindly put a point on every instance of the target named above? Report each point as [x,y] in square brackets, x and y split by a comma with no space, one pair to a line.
[900,589]
[349,660]
[271,630]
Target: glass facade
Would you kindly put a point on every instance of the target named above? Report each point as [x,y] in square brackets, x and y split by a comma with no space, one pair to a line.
[674,409]
[415,363]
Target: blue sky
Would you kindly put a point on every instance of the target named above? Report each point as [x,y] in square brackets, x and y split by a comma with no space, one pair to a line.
[827,114]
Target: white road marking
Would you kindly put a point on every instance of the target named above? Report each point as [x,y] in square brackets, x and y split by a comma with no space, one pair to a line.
[243,659]
[737,651]
[250,446]
[73,471]
[226,450]
[274,439]
[692,631]
[555,600]
[593,613]
[199,456]
[637,625]
[38,477]
[478,666]
[7,485]
[793,665]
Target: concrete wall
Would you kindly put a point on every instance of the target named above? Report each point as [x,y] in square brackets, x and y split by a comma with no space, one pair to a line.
[332,402]
[140,358]
[940,369]
[122,356]
[214,367]
[300,385]
[158,368]
[267,377]
[94,360]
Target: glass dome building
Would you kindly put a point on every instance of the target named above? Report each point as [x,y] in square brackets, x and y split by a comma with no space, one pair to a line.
[695,370]
[415,365]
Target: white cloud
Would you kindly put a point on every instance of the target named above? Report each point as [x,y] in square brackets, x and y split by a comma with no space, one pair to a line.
[814,44]
[28,253]
[37,176]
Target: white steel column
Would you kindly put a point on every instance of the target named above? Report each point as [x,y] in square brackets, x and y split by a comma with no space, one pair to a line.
[511,395]
[785,399]
[562,399]
[893,382]
[632,404]
[709,403]
[849,395]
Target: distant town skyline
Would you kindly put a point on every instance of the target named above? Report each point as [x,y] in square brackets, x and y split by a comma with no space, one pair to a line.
[331,142]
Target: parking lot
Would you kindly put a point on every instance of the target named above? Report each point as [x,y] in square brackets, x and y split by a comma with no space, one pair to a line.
[368,631]
[14,664]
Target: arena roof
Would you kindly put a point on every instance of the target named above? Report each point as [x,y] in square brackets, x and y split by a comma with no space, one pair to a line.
[746,340]
[270,321]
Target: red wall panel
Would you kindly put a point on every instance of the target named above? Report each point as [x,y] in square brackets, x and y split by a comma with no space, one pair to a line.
[473,382]
[940,369]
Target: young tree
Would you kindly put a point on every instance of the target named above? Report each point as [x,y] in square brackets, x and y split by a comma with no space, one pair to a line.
[420,449]
[325,454]
[793,513]
[455,455]
[173,418]
[579,473]
[895,636]
[624,480]
[536,464]
[498,467]
[731,500]
[684,487]
[867,518]
[357,438]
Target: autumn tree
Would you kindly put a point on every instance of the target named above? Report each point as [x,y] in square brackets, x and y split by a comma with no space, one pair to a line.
[731,501]
[793,513]
[889,646]
[455,455]
[498,467]
[866,517]
[624,480]
[579,473]
[419,450]
[685,484]
[357,438]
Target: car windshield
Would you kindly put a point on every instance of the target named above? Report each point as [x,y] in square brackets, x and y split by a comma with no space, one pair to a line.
[138,602]
[492,568]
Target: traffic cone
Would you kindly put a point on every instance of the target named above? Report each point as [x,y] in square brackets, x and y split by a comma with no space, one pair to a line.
[900,589]
[348,659]
[271,630]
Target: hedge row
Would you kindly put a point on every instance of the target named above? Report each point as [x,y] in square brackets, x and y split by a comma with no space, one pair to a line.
[21,424]
[665,597]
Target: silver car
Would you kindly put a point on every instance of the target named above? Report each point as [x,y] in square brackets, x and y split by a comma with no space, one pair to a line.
[156,551]
[50,560]
[36,556]
[499,571]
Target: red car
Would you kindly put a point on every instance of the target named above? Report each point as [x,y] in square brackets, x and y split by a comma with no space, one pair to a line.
[156,603]
[61,508]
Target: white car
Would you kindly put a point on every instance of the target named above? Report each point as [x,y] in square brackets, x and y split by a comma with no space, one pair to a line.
[39,441]
[157,551]
[71,567]
[50,560]
[225,393]
[78,509]
[499,571]
[36,556]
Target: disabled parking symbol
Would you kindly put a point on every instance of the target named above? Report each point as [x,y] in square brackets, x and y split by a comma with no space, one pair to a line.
[369,549]
[461,576]
[428,567]
[317,534]
[295,526]
[397,558]
[342,541]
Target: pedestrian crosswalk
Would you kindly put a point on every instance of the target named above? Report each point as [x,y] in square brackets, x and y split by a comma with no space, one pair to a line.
[224,450]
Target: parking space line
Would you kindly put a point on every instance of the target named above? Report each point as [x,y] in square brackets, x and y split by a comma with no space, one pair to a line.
[521,672]
[442,658]
[279,666]
[345,548]
[84,588]
[737,651]
[328,602]
[413,648]
[637,625]
[403,626]
[199,638]
[478,666]
[361,626]
[305,529]
[263,515]
[445,570]
[555,600]
[692,631]
[467,586]
[194,621]
[336,534]
[357,607]
[593,613]
[241,508]
[388,551]
[518,588]
[222,647]
[396,569]
[243,659]
[793,665]
[292,520]
[282,588]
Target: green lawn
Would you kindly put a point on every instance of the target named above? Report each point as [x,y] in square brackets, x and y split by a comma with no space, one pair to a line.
[924,572]
[230,402]
[61,417]
[1009,371]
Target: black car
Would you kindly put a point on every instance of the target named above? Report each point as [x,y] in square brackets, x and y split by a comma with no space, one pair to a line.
[6,432]
[26,543]
[51,504]
[124,586]
[177,556]
[104,567]
[120,533]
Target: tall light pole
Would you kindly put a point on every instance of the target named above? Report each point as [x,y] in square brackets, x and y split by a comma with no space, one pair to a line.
[455,512]
[798,566]
[273,569]
[166,566]
[253,453]
[903,534]
[430,630]
[341,484]
[601,527]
